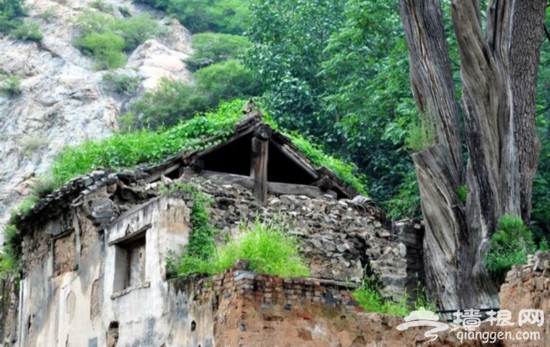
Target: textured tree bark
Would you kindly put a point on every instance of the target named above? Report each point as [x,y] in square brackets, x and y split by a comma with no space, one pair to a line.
[498,71]
[439,169]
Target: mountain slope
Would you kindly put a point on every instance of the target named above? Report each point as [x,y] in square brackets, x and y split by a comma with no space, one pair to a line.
[63,100]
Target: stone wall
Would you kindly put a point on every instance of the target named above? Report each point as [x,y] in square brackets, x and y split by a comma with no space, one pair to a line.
[77,243]
[528,287]
[342,240]
[411,234]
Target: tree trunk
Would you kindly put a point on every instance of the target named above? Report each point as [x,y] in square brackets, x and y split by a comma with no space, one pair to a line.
[439,169]
[498,73]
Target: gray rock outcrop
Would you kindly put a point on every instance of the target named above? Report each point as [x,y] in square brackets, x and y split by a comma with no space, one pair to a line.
[62,101]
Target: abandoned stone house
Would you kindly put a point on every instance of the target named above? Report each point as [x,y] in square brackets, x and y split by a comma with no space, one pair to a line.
[95,252]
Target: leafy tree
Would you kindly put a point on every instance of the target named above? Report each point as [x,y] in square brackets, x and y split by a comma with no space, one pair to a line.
[224,16]
[499,61]
[364,74]
[227,80]
[174,101]
[289,41]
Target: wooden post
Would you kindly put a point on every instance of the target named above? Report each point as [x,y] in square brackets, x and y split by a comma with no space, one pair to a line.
[260,149]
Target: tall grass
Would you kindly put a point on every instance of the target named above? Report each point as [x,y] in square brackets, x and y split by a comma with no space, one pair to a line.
[266,245]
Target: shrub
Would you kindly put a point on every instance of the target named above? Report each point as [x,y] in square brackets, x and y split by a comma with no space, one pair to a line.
[508,246]
[10,12]
[28,31]
[101,5]
[120,83]
[136,30]
[11,86]
[174,101]
[170,103]
[211,48]
[462,193]
[227,16]
[105,47]
[105,38]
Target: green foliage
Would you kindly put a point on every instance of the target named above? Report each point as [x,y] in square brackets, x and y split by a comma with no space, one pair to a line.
[106,38]
[368,296]
[338,71]
[10,12]
[146,146]
[346,172]
[101,5]
[462,193]
[508,246]
[49,15]
[174,101]
[224,16]
[11,86]
[10,256]
[269,249]
[226,80]
[136,30]
[421,135]
[406,202]
[28,31]
[105,47]
[290,39]
[211,48]
[120,83]
[266,245]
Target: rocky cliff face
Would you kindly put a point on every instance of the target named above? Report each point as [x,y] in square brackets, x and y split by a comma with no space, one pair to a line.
[62,100]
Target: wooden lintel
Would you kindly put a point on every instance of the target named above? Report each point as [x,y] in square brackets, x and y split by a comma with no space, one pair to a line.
[226,142]
[260,149]
[277,188]
[156,175]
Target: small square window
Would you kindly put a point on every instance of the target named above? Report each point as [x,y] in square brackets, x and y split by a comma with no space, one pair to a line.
[130,260]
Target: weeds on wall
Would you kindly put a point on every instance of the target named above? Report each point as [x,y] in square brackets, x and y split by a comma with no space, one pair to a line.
[368,296]
[266,245]
[10,257]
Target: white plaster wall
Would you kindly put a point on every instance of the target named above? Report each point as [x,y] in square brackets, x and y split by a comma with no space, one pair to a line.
[154,315]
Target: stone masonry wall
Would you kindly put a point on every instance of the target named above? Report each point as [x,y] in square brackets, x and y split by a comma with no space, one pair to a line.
[342,240]
[528,287]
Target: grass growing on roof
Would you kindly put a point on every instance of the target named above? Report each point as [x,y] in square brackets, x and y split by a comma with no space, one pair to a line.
[145,146]
[345,171]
